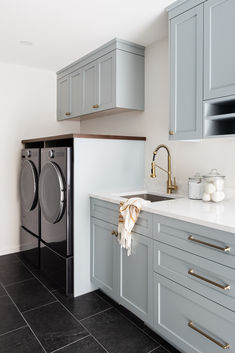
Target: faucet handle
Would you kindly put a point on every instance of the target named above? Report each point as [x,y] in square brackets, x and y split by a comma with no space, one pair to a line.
[153,170]
[174,185]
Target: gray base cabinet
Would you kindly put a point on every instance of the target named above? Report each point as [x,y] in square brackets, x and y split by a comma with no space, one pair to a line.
[136,278]
[179,279]
[179,312]
[111,77]
[126,279]
[104,257]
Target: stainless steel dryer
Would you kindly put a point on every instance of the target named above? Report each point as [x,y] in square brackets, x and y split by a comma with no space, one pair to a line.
[30,210]
[30,168]
[55,197]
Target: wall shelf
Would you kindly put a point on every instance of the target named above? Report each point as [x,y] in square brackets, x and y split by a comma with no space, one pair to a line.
[219,117]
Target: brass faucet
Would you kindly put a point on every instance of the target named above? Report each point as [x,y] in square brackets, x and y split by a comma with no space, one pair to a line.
[170,185]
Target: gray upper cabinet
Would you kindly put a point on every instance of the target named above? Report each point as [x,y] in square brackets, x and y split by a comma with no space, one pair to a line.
[186,75]
[90,88]
[202,70]
[63,101]
[69,103]
[111,77]
[219,27]
[76,93]
[106,89]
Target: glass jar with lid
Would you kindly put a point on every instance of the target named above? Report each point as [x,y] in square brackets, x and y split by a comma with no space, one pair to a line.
[195,187]
[213,186]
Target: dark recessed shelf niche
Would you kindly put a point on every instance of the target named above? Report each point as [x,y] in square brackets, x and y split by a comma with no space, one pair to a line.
[219,117]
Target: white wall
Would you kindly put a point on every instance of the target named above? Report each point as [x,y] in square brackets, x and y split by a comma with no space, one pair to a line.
[188,157]
[27,109]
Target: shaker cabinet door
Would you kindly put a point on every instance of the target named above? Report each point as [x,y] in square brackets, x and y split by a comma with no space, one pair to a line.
[219,26]
[136,271]
[186,75]
[76,93]
[106,79]
[104,269]
[63,98]
[90,103]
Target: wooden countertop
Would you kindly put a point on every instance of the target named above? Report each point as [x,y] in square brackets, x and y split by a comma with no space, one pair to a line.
[72,136]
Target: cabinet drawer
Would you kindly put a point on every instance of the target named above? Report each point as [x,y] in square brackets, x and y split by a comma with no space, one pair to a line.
[208,278]
[190,321]
[109,212]
[106,211]
[209,243]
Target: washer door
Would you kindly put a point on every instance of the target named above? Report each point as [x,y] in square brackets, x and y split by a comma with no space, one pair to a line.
[28,185]
[51,192]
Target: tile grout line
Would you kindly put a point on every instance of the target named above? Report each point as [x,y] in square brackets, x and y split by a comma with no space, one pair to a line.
[123,315]
[79,321]
[24,280]
[65,309]
[16,329]
[69,344]
[24,319]
[100,312]
[38,307]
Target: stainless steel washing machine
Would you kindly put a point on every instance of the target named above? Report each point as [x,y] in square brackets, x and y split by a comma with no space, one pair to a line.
[55,197]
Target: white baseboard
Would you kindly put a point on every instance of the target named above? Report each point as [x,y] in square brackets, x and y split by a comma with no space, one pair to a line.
[9,250]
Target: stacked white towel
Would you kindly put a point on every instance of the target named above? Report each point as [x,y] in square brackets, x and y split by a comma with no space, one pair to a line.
[128,215]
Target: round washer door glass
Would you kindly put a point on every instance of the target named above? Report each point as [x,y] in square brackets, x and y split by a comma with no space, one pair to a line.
[28,185]
[51,192]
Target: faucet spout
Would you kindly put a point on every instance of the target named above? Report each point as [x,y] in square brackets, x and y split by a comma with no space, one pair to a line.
[170,186]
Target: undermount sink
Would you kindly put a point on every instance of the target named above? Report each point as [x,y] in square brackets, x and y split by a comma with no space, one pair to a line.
[149,197]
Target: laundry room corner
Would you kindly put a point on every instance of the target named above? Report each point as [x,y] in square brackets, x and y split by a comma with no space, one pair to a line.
[28,108]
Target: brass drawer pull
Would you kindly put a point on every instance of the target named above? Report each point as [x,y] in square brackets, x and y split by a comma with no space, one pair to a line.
[226,287]
[95,106]
[171,132]
[115,233]
[226,249]
[224,346]
[68,113]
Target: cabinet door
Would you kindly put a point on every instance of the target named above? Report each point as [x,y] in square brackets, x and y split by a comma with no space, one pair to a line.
[136,278]
[219,27]
[104,269]
[89,88]
[193,323]
[106,80]
[76,93]
[63,98]
[186,75]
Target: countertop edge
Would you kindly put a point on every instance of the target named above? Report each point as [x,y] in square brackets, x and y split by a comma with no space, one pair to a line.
[92,136]
[197,221]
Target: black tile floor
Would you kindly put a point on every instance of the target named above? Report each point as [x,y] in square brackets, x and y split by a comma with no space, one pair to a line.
[36,318]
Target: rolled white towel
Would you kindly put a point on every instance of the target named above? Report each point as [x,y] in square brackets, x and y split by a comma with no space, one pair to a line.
[217,196]
[209,188]
[206,197]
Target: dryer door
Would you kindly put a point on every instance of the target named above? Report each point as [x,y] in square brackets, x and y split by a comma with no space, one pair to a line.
[28,185]
[52,192]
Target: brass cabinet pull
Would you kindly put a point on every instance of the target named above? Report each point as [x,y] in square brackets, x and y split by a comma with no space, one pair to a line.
[115,233]
[95,106]
[224,346]
[225,287]
[68,113]
[171,132]
[226,249]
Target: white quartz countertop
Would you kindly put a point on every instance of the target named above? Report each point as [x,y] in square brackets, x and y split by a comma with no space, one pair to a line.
[219,216]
